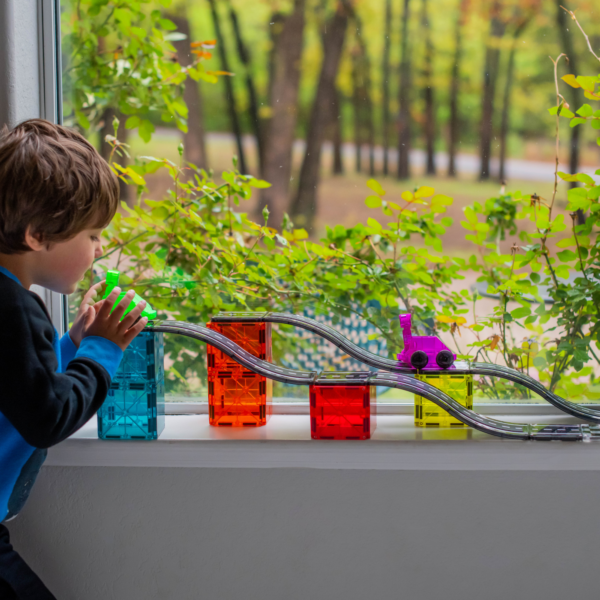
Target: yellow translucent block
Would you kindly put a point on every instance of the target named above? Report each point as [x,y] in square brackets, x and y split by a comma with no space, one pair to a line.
[458,387]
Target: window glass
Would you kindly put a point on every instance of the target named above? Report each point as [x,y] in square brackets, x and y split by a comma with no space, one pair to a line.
[351,162]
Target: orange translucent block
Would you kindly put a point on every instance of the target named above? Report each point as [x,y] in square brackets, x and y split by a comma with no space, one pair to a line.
[342,412]
[238,397]
[255,338]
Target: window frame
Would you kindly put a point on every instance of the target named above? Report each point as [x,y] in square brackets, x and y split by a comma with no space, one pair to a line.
[50,78]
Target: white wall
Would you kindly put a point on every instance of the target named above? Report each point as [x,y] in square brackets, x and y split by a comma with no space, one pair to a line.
[19,61]
[287,534]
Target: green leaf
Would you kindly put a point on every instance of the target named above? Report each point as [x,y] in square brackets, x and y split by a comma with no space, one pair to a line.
[374,185]
[259,183]
[132,122]
[576,121]
[83,121]
[587,83]
[374,224]
[519,313]
[470,214]
[168,24]
[585,111]
[553,110]
[146,129]
[566,256]
[565,112]
[373,201]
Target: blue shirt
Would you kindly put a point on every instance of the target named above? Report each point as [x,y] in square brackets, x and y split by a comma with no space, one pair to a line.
[19,461]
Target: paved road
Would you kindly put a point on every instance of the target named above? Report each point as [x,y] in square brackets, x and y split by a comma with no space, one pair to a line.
[467,164]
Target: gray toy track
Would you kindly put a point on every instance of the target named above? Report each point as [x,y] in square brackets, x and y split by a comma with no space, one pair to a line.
[386,364]
[397,379]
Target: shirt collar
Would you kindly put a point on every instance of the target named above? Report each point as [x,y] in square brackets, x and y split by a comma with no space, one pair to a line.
[9,275]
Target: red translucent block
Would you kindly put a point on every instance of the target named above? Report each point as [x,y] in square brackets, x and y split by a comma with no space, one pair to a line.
[238,397]
[342,412]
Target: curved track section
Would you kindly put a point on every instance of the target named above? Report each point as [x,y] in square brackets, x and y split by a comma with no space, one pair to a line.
[393,380]
[576,410]
[322,330]
[386,364]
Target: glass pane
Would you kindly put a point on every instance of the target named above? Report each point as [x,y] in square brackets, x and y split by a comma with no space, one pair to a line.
[413,146]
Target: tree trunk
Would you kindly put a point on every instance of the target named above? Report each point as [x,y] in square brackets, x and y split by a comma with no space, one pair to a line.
[357,91]
[279,129]
[490,77]
[454,119]
[367,99]
[385,69]
[564,23]
[404,133]
[505,119]
[338,159]
[428,92]
[125,193]
[229,94]
[305,202]
[245,59]
[194,141]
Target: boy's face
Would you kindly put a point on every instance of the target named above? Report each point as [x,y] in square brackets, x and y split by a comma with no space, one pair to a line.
[61,266]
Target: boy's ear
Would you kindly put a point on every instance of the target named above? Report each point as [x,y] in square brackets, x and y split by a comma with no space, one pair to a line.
[34,240]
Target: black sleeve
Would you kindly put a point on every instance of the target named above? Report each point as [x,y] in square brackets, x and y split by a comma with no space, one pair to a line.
[44,406]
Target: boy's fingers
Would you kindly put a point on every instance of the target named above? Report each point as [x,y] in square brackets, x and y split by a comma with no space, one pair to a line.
[89,316]
[92,292]
[132,332]
[122,306]
[132,317]
[98,305]
[96,288]
[108,303]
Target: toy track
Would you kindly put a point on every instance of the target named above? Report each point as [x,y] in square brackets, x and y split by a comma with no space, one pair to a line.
[393,380]
[386,364]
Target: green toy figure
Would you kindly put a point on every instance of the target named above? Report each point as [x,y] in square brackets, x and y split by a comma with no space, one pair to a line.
[112,281]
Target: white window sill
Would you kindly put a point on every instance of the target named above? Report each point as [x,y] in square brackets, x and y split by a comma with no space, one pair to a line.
[189,441]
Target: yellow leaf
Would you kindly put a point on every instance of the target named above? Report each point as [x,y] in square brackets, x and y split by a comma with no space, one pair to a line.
[135,177]
[571,80]
[407,196]
[454,320]
[424,192]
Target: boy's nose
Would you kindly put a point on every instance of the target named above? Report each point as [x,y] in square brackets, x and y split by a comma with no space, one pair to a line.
[99,250]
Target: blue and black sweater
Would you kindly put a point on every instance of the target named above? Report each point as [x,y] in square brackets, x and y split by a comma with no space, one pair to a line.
[48,388]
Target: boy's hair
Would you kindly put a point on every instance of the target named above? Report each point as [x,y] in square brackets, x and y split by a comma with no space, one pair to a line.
[53,181]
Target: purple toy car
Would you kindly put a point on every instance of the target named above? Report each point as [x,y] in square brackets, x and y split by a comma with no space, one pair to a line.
[421,351]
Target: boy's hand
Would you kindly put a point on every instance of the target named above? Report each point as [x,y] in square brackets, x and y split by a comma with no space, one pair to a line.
[108,325]
[86,313]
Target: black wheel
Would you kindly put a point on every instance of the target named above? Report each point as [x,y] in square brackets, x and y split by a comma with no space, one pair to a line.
[444,359]
[419,359]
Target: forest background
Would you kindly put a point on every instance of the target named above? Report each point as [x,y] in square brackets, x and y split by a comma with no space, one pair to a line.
[327,94]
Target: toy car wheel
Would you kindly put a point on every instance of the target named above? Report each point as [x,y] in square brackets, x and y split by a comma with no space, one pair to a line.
[444,359]
[419,359]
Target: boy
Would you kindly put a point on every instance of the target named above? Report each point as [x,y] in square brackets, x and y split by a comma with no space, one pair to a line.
[56,197]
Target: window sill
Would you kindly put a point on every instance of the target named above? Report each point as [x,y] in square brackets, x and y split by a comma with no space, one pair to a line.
[397,445]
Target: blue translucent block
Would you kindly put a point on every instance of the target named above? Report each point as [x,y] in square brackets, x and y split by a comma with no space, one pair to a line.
[135,406]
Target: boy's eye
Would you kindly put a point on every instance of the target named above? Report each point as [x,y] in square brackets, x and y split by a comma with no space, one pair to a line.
[95,238]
